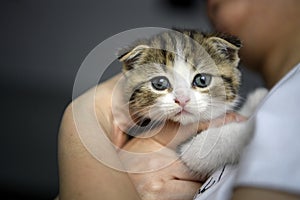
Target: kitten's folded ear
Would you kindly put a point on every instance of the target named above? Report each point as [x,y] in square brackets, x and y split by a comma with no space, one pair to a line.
[131,56]
[226,46]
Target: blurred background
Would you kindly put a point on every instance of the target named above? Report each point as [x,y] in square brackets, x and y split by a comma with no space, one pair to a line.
[42,45]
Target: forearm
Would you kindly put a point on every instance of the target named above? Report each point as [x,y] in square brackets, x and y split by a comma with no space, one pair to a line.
[250,193]
[84,177]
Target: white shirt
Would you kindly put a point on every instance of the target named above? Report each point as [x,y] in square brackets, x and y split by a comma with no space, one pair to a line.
[272,159]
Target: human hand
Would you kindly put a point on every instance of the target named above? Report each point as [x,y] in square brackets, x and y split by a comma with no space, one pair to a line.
[112,114]
[82,144]
[155,170]
[160,175]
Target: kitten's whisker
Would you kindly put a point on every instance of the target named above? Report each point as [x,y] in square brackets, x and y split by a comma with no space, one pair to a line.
[139,111]
[128,103]
[155,124]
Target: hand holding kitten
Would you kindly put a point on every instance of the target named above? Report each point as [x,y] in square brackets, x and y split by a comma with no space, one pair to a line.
[175,178]
[75,161]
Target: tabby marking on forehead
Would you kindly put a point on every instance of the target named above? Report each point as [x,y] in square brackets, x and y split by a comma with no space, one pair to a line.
[177,58]
[181,72]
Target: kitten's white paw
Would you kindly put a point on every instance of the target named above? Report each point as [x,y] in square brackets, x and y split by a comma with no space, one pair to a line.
[205,152]
[215,147]
[253,101]
[257,95]
[191,155]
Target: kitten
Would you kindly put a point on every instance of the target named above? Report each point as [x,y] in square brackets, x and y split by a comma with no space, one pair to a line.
[189,76]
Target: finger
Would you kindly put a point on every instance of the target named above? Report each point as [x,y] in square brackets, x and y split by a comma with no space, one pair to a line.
[222,120]
[182,172]
[118,138]
[168,190]
[202,126]
[240,118]
[234,117]
[181,190]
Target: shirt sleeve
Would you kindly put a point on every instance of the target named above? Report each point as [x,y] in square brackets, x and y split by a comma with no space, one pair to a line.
[272,159]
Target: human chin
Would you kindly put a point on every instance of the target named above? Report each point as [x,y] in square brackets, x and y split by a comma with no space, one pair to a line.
[227,15]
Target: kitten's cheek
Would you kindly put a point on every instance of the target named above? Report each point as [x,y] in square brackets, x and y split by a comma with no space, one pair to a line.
[133,115]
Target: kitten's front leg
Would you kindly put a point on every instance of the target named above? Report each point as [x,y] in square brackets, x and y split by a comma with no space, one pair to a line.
[215,147]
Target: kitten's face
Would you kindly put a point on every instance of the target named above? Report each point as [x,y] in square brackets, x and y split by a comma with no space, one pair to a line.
[184,81]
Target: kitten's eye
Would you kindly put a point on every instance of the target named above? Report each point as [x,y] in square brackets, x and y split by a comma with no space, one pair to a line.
[160,83]
[202,80]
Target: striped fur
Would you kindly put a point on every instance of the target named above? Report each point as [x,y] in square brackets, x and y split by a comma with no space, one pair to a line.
[179,55]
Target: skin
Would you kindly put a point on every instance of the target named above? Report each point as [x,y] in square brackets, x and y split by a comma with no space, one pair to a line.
[82,176]
[270,31]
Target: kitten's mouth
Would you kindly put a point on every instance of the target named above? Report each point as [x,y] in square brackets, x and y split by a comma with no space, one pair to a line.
[182,112]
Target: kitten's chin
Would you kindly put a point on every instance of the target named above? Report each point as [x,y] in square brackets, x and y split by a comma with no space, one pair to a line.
[185,119]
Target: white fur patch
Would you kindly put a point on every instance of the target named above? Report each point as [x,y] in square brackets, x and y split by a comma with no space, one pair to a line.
[215,147]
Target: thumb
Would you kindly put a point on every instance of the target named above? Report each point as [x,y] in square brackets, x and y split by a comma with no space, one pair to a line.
[118,138]
[222,120]
[182,189]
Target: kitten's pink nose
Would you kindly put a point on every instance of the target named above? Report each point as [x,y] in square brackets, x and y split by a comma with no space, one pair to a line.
[182,101]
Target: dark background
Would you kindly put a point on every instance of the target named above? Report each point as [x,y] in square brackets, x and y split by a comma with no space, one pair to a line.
[42,45]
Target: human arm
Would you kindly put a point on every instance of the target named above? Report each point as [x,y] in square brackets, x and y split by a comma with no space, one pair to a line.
[84,176]
[81,175]
[250,193]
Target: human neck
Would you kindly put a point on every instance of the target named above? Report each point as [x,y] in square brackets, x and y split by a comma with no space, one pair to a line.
[280,60]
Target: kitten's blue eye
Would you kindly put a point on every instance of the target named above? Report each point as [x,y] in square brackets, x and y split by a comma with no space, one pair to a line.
[160,83]
[202,80]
